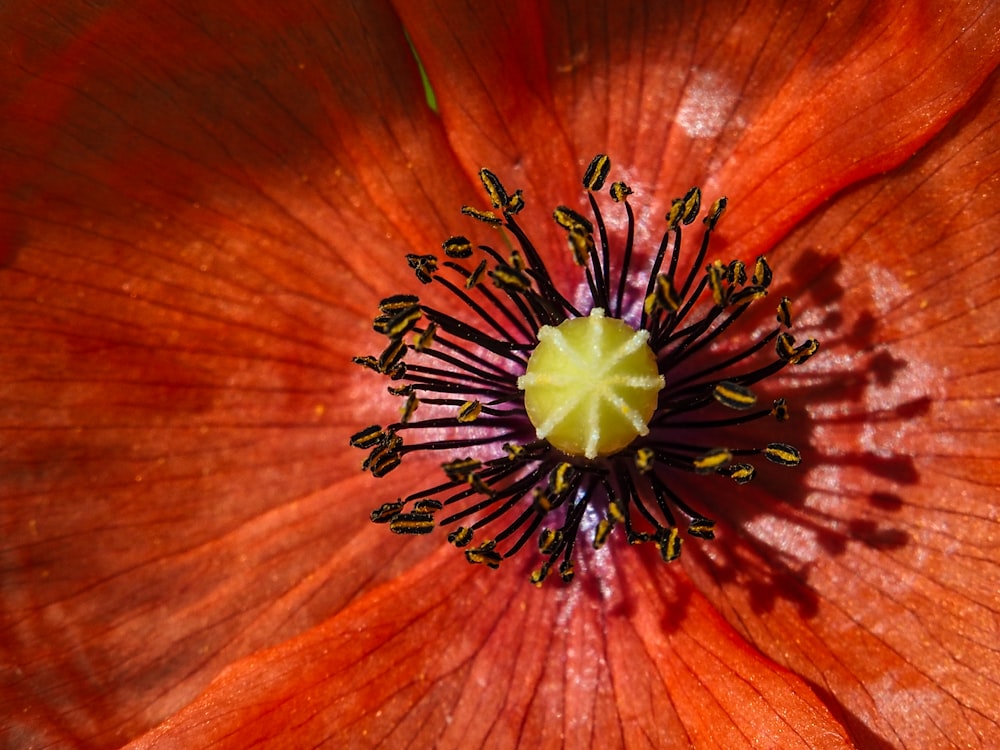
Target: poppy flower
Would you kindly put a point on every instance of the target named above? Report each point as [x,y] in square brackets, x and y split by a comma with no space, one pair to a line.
[203,205]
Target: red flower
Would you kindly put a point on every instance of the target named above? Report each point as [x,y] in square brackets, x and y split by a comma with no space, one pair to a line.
[201,207]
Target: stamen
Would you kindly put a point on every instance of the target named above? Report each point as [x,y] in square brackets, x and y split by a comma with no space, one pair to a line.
[541,412]
[734,395]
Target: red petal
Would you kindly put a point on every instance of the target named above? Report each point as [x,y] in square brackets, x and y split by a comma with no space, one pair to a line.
[502,665]
[778,106]
[883,574]
[204,205]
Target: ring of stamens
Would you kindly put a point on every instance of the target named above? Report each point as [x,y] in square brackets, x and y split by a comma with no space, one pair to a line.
[518,466]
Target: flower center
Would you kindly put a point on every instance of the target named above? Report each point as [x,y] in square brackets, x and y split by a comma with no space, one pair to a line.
[544,415]
[590,386]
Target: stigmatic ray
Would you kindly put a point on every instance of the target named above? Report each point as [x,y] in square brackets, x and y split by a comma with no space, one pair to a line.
[544,409]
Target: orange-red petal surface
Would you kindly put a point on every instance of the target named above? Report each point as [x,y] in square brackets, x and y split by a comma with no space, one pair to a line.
[777,105]
[201,205]
[883,572]
[453,656]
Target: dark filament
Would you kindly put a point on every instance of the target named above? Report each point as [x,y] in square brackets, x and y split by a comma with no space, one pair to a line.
[502,486]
